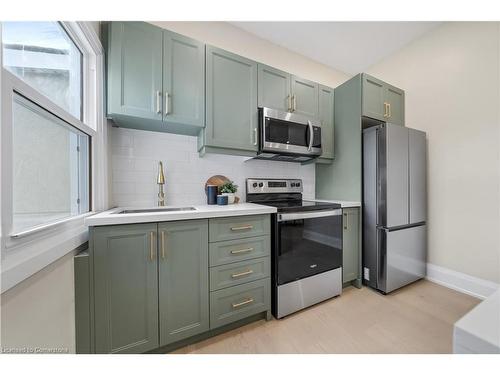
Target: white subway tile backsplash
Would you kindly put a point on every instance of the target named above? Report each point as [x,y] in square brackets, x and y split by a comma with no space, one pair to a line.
[135,156]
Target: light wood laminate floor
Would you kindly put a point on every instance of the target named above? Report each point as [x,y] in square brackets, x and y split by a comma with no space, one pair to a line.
[416,319]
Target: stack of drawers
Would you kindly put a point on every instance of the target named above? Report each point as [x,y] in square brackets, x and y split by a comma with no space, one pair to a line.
[240,267]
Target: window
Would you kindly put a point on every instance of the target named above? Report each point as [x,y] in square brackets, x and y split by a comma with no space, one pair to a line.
[52,129]
[43,55]
[50,167]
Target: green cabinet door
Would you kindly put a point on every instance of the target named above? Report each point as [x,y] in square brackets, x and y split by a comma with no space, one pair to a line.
[374,98]
[326,116]
[305,97]
[125,288]
[395,99]
[134,70]
[231,112]
[274,88]
[351,265]
[183,279]
[183,97]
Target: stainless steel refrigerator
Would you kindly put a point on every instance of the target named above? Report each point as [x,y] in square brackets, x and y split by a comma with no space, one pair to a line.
[394,206]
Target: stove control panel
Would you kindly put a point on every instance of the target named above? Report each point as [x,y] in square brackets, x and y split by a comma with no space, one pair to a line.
[271,185]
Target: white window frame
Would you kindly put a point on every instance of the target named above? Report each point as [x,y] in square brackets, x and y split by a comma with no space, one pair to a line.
[30,251]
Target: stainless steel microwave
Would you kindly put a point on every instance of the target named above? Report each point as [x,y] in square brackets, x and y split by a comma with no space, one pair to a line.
[288,136]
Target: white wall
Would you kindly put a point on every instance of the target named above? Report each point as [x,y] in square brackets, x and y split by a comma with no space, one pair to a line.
[451,80]
[40,311]
[135,156]
[236,40]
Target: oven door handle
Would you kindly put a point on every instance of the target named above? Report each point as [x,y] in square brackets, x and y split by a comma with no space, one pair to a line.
[308,215]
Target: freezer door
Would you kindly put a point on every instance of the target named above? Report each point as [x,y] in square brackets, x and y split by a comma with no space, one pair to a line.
[417,182]
[402,257]
[393,176]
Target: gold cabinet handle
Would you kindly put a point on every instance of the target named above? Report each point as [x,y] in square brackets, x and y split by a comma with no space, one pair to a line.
[242,227]
[163,244]
[389,112]
[294,106]
[167,107]
[246,302]
[247,250]
[245,273]
[151,246]
[289,103]
[158,103]
[385,109]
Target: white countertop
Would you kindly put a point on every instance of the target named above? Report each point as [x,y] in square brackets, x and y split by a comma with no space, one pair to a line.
[112,217]
[343,204]
[479,330]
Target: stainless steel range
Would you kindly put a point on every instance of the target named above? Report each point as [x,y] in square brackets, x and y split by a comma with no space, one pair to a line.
[306,245]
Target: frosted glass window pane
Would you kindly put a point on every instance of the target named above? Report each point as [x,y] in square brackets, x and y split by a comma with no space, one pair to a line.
[43,55]
[50,167]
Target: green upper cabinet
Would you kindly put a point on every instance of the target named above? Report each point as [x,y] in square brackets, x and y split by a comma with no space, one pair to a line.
[155,78]
[231,103]
[286,92]
[396,105]
[382,101]
[183,81]
[326,116]
[183,279]
[274,88]
[134,70]
[125,288]
[304,96]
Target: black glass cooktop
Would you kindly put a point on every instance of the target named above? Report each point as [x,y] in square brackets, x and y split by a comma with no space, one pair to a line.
[300,205]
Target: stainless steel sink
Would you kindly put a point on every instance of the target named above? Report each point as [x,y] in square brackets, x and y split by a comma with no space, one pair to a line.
[166,209]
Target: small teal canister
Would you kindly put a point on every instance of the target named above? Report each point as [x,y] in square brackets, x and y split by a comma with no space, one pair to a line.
[222,200]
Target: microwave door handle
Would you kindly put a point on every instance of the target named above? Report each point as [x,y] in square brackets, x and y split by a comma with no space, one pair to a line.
[311,135]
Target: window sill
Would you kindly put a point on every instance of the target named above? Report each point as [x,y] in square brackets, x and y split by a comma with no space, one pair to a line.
[48,226]
[34,256]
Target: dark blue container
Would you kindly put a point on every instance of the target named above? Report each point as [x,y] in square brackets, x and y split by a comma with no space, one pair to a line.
[212,191]
[222,200]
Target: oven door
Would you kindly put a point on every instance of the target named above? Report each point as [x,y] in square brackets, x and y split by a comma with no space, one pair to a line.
[308,243]
[288,133]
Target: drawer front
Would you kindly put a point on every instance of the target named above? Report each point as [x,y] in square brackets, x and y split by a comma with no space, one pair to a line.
[231,228]
[238,302]
[239,273]
[236,250]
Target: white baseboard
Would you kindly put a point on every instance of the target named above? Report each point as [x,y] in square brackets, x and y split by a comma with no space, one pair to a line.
[461,282]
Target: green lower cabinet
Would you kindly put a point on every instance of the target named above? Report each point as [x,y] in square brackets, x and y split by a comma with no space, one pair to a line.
[183,279]
[125,288]
[351,265]
[231,304]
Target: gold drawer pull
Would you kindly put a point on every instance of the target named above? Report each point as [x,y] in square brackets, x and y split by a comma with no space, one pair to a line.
[246,302]
[242,228]
[247,250]
[235,275]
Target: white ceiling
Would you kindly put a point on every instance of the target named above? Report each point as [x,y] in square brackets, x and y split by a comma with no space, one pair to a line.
[350,47]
